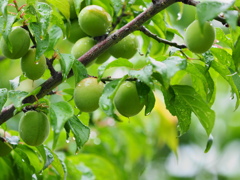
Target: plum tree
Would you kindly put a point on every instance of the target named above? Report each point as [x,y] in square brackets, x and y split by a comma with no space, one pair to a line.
[19,40]
[199,39]
[5,147]
[126,48]
[75,32]
[87,94]
[127,101]
[94,20]
[32,68]
[34,128]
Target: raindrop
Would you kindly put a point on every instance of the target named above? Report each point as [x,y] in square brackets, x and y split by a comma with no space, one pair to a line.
[67,141]
[105,107]
[179,16]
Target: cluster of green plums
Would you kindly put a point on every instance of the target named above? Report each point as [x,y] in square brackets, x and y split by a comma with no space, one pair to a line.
[17,47]
[94,21]
[88,92]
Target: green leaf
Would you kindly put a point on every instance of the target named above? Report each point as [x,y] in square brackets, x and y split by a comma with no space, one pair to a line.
[165,70]
[92,166]
[209,144]
[46,154]
[223,57]
[23,162]
[106,100]
[3,5]
[42,44]
[31,2]
[3,97]
[146,95]
[16,97]
[79,130]
[213,9]
[66,61]
[149,103]
[221,37]
[63,7]
[7,28]
[121,62]
[178,108]
[182,100]
[143,75]
[197,105]
[117,5]
[77,5]
[227,75]
[58,165]
[60,112]
[79,71]
[44,11]
[202,81]
[232,18]
[57,20]
[55,33]
[236,54]
[7,171]
[146,41]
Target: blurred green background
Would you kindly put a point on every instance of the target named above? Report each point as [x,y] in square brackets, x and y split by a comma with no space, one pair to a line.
[146,148]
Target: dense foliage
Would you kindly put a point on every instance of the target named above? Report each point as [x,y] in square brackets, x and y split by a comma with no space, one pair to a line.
[143,64]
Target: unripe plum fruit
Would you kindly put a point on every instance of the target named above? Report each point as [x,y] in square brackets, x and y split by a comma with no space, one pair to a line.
[87,94]
[103,57]
[127,101]
[5,148]
[32,68]
[75,32]
[34,128]
[20,41]
[126,48]
[94,20]
[197,39]
[82,46]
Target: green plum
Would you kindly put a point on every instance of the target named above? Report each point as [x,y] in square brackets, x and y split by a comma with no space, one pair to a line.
[127,101]
[103,58]
[33,69]
[126,48]
[75,32]
[20,42]
[82,46]
[87,94]
[34,128]
[94,20]
[199,39]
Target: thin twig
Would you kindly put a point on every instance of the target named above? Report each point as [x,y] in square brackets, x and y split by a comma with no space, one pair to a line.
[50,65]
[160,40]
[30,35]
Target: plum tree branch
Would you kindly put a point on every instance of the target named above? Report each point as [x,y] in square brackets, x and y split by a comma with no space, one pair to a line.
[135,24]
[160,40]
[95,51]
